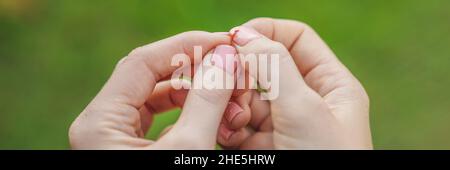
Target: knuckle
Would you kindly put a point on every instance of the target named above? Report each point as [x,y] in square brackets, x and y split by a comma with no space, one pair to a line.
[277,46]
[136,52]
[304,26]
[262,19]
[188,40]
[136,56]
[298,24]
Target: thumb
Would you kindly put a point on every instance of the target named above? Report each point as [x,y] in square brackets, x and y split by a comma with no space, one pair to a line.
[285,78]
[205,104]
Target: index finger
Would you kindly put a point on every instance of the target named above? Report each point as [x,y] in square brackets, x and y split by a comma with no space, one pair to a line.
[134,78]
[314,59]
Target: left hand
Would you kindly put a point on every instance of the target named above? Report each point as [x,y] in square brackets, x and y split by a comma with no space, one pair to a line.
[121,113]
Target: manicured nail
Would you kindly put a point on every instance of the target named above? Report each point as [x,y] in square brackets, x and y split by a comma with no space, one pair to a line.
[224,57]
[242,35]
[224,132]
[233,109]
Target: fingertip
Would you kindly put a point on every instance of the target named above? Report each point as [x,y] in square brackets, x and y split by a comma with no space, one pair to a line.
[232,110]
[234,139]
[224,37]
[242,119]
[241,35]
[237,115]
[225,132]
[179,96]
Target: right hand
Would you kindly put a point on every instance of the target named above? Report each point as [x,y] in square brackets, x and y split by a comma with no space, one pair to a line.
[321,105]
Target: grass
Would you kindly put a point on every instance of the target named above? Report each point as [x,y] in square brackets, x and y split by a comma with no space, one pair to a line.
[56,55]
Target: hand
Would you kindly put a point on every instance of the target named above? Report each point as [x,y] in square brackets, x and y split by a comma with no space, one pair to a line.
[321,105]
[121,113]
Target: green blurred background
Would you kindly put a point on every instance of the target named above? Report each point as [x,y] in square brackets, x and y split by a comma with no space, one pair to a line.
[56,55]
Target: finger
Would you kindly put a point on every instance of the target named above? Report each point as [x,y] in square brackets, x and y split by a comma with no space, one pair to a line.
[291,92]
[206,102]
[260,118]
[238,113]
[322,70]
[120,101]
[164,98]
[291,82]
[135,76]
[313,57]
[232,139]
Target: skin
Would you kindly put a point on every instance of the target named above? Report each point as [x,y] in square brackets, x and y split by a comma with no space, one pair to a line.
[121,113]
[321,104]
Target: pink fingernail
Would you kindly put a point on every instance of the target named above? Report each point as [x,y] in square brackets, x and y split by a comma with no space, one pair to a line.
[242,35]
[224,57]
[225,132]
[233,109]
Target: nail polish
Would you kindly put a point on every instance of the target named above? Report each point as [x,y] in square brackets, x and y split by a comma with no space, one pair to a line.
[224,132]
[233,109]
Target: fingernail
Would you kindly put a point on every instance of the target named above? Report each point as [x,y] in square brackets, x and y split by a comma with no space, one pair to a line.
[233,109]
[224,58]
[224,132]
[242,35]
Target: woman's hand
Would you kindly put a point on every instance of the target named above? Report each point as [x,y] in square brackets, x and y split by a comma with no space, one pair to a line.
[121,113]
[321,105]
